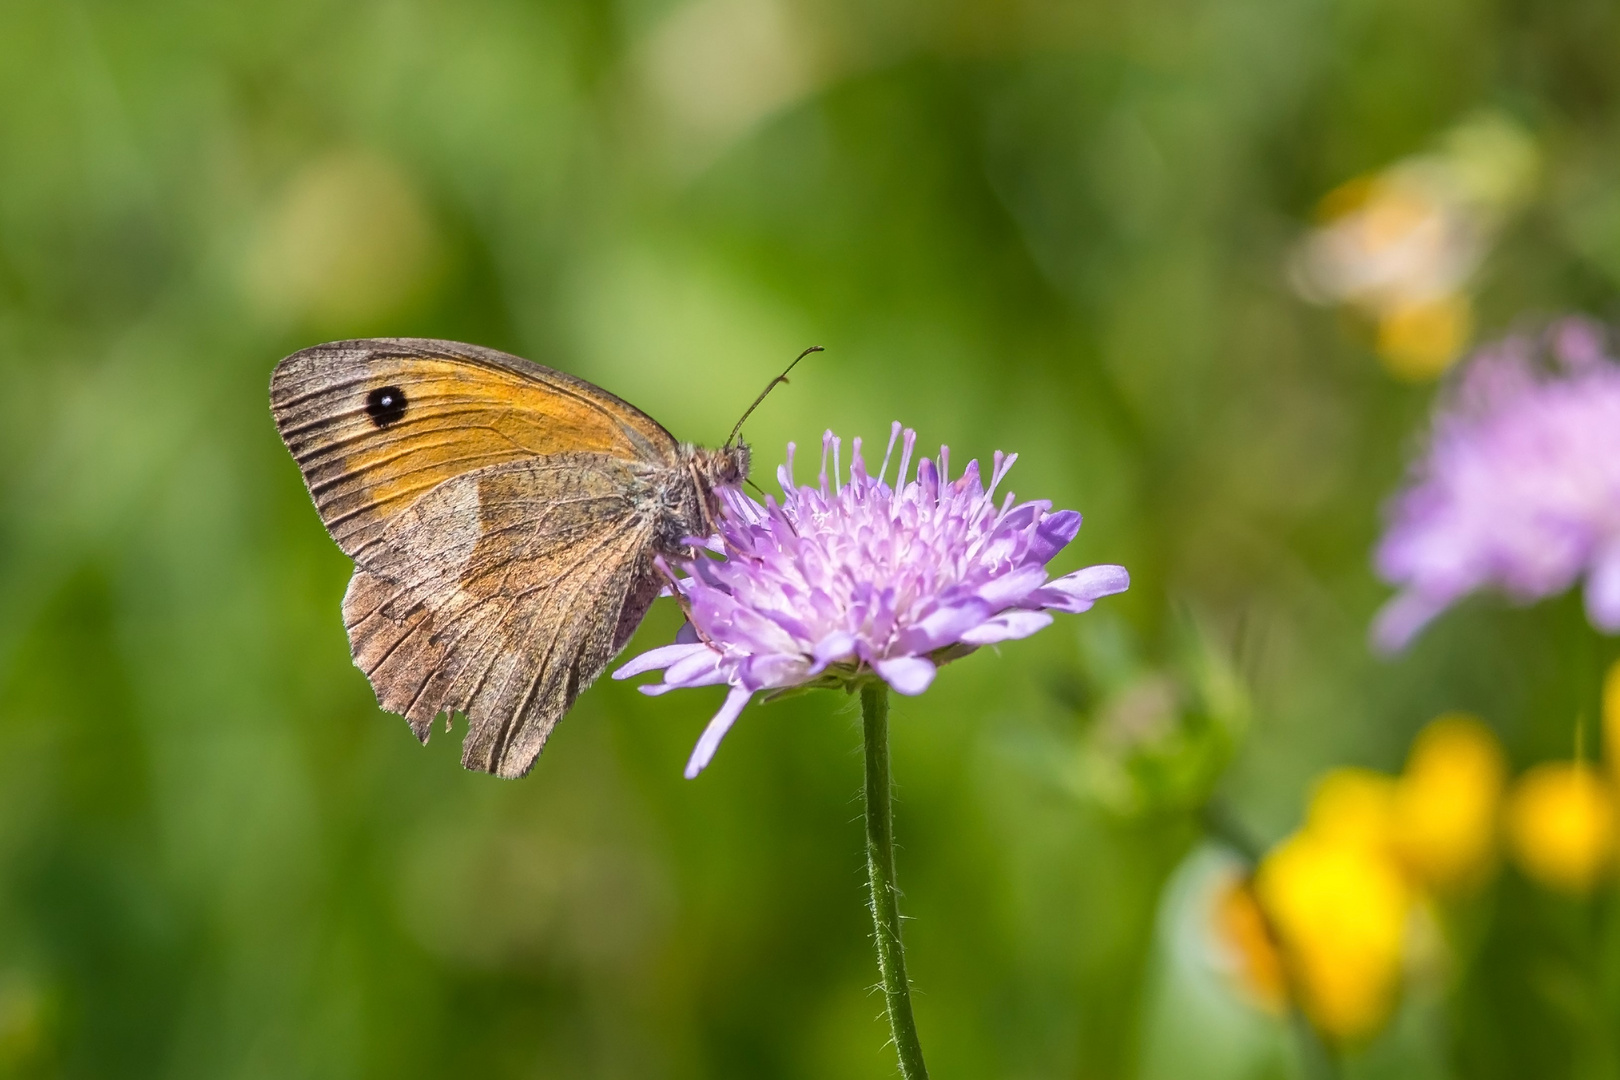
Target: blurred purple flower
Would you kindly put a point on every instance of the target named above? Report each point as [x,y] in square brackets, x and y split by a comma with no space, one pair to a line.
[1520,488]
[838,583]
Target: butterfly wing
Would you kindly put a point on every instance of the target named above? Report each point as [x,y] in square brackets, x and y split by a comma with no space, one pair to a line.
[496,511]
[374,425]
[502,594]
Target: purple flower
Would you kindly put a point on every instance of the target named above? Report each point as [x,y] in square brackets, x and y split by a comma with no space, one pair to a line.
[1520,489]
[836,584]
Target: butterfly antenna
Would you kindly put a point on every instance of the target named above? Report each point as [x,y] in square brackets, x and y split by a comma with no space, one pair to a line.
[772,385]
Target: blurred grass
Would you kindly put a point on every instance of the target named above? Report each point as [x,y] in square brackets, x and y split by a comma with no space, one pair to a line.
[1058,228]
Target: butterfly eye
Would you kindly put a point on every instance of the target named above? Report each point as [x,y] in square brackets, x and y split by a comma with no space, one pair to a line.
[386,405]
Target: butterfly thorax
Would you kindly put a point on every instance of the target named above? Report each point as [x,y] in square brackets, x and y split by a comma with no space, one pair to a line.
[690,502]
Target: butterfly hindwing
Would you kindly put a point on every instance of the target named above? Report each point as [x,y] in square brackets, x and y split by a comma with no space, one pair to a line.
[503,594]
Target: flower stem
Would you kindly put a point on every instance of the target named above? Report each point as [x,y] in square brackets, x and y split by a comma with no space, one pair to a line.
[880,869]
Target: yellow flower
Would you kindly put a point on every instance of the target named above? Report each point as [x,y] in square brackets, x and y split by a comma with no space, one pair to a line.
[1339,908]
[1327,920]
[1353,806]
[1404,244]
[1419,339]
[1445,804]
[1611,718]
[1398,237]
[1256,963]
[1560,823]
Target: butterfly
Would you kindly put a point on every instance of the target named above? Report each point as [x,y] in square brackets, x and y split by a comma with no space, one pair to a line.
[504,519]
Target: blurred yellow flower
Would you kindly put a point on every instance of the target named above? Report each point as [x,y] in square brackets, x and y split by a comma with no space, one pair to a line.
[1418,340]
[1403,244]
[1560,824]
[1353,807]
[1255,962]
[1611,718]
[1328,920]
[1339,908]
[1445,804]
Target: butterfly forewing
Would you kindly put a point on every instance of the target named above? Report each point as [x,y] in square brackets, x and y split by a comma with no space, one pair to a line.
[376,424]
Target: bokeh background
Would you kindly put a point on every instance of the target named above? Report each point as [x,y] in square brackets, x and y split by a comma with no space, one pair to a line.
[1070,229]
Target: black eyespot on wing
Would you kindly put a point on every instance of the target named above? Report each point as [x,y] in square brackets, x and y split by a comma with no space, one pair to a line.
[386,406]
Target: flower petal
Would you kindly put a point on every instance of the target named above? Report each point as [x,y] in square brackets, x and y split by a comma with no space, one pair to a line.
[700,668]
[709,741]
[1078,591]
[654,689]
[1400,619]
[1603,591]
[661,657]
[838,645]
[909,675]
[1011,588]
[942,626]
[1053,535]
[1007,626]
[772,671]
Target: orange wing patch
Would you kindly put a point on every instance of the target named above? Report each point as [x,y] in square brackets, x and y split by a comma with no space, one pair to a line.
[374,425]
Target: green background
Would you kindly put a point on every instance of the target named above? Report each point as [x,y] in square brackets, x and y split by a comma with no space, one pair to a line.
[1057,228]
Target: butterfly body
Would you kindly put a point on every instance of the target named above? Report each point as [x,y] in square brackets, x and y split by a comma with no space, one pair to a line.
[504,519]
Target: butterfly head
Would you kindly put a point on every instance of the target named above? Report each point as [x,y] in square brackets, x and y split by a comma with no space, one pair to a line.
[725,467]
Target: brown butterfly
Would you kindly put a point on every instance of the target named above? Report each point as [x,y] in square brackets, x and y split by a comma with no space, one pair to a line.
[503,519]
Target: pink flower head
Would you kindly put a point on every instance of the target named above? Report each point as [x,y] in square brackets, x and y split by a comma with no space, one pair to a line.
[1520,488]
[838,583]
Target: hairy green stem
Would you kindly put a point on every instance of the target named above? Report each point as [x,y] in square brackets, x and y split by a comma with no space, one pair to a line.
[880,869]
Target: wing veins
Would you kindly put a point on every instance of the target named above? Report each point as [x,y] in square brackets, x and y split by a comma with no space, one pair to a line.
[510,723]
[558,386]
[329,446]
